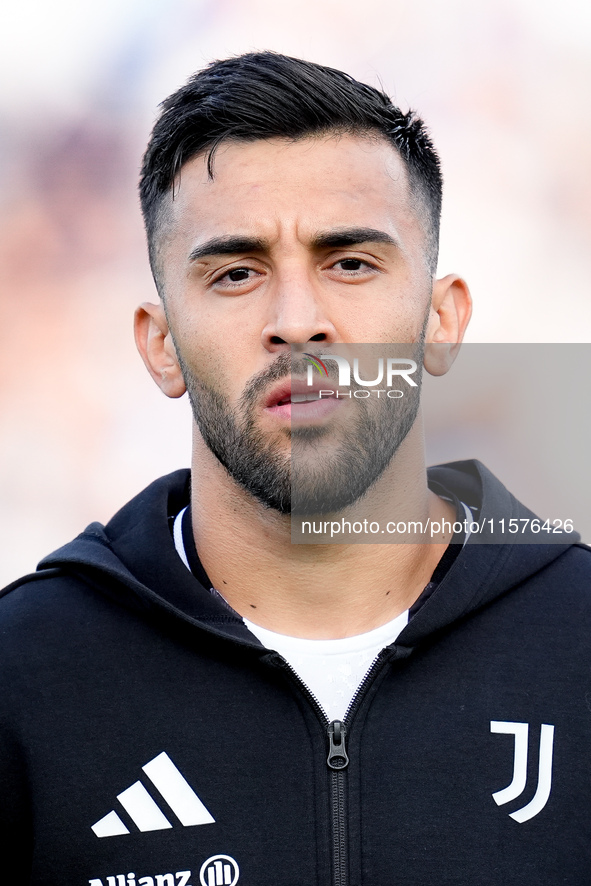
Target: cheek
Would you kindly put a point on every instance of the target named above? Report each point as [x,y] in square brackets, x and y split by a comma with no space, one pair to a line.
[217,357]
[387,322]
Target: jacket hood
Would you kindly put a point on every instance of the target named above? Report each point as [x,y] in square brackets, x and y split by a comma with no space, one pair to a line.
[133,559]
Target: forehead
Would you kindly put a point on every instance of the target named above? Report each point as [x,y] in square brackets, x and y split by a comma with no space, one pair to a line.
[278,187]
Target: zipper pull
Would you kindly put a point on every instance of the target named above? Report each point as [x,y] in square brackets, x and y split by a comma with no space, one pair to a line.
[337,754]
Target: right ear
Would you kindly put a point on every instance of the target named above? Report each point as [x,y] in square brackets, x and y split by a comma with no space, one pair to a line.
[154,342]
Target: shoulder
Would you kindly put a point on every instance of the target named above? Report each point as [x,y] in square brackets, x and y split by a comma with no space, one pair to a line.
[573,567]
[558,594]
[47,616]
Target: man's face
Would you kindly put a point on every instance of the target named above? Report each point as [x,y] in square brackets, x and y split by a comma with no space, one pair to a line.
[312,243]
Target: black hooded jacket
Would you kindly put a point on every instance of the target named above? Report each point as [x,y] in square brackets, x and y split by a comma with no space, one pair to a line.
[148,739]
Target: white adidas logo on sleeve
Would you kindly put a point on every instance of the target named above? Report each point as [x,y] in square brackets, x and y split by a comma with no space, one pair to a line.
[145,812]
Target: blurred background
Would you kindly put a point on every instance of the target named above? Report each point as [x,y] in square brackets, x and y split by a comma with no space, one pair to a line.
[504,87]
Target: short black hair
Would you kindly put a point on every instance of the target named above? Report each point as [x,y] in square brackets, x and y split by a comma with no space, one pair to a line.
[261,95]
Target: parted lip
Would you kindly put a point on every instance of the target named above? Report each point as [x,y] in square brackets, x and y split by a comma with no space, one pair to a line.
[284,390]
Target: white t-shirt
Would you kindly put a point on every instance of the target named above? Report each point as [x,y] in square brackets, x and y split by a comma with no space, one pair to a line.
[332,669]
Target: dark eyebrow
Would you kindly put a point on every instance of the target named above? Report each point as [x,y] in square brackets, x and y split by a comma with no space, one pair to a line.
[343,237]
[339,238]
[226,246]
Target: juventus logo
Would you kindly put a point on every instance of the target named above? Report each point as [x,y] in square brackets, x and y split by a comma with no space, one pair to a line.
[517,786]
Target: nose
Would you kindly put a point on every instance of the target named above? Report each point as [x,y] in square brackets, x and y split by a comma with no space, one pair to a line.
[297,315]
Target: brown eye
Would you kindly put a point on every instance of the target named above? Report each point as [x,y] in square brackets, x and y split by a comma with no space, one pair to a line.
[238,274]
[351,264]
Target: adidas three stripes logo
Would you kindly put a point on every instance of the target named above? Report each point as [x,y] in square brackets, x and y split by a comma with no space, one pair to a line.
[145,812]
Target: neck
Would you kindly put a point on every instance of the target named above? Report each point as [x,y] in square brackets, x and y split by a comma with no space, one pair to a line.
[322,591]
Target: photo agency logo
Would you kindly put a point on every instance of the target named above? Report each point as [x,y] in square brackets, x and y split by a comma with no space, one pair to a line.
[389,370]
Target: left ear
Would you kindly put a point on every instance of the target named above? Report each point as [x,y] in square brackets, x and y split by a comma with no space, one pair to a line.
[154,342]
[451,308]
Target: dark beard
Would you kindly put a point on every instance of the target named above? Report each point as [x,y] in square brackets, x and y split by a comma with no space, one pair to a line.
[290,485]
[263,471]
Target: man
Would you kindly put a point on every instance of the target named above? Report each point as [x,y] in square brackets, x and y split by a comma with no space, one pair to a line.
[189,697]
